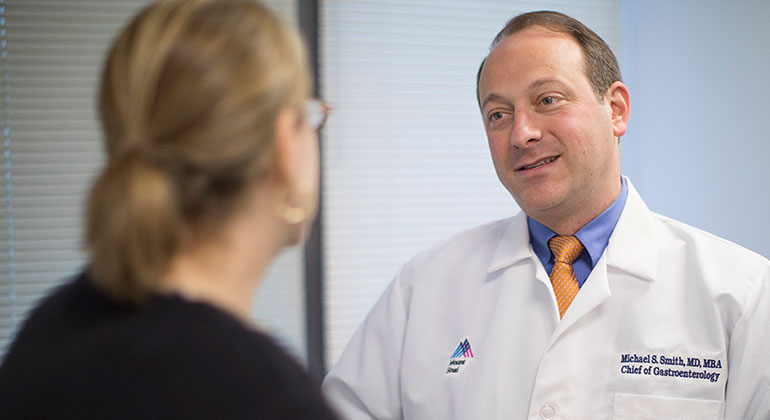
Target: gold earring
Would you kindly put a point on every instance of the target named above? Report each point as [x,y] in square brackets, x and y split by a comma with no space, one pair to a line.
[289,213]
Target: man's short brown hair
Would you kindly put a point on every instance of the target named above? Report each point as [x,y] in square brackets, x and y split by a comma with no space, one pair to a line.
[601,66]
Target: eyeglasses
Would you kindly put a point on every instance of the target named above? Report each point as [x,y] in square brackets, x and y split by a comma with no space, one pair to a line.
[316,112]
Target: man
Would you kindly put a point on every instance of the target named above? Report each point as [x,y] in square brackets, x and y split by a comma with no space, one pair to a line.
[586,305]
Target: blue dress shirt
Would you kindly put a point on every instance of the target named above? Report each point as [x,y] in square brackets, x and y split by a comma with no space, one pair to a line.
[594,236]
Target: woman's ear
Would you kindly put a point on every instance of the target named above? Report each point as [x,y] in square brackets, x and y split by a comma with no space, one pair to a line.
[288,148]
[618,98]
[296,169]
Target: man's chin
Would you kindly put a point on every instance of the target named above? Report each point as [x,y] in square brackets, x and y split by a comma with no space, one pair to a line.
[537,200]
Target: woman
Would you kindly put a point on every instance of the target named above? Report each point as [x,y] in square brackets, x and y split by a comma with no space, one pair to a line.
[212,170]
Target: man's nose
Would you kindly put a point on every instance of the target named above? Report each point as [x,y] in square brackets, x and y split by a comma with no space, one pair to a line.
[526,131]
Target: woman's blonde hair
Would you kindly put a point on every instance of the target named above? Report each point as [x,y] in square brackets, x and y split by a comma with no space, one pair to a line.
[189,96]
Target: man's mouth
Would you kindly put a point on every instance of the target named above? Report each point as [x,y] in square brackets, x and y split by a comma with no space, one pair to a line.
[539,163]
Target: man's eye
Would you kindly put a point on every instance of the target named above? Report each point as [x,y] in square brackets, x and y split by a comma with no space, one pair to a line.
[496,116]
[548,100]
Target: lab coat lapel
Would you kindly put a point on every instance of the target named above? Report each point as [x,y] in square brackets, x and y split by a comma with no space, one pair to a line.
[631,249]
[595,290]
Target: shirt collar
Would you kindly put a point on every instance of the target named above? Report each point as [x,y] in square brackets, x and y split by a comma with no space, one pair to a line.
[594,236]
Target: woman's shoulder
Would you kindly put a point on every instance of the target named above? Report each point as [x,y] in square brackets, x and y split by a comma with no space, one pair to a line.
[181,357]
[234,365]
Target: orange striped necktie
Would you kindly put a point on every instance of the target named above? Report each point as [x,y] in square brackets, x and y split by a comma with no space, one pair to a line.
[565,286]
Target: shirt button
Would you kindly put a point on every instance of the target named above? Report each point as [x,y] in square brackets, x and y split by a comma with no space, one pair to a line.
[547,412]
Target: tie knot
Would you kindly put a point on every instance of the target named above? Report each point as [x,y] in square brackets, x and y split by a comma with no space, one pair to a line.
[565,248]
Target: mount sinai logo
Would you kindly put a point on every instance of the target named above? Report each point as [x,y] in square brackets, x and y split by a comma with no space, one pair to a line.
[462,354]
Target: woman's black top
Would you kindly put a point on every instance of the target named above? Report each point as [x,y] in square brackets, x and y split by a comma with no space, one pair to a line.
[82,355]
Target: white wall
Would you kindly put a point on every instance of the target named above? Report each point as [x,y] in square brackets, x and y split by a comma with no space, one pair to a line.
[698,145]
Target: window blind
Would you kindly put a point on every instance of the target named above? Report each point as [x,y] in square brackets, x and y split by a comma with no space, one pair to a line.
[405,156]
[52,53]
[52,143]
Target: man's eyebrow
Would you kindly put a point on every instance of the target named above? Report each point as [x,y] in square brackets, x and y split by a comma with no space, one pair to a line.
[540,82]
[534,85]
[492,97]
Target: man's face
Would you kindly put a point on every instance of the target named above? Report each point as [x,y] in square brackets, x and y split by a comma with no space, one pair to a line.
[553,142]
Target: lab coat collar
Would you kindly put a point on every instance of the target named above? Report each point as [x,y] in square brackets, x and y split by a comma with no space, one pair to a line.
[514,244]
[632,247]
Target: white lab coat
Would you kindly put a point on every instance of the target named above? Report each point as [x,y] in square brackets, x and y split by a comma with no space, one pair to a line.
[662,295]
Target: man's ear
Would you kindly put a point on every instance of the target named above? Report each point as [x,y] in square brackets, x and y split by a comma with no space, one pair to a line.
[617,97]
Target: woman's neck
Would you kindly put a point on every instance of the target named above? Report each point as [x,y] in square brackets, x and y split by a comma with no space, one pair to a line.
[225,271]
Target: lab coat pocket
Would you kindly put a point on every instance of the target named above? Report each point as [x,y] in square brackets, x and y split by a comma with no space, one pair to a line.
[649,407]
